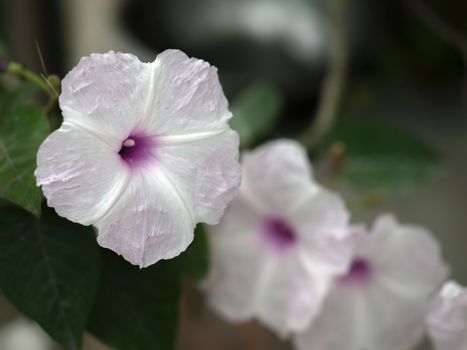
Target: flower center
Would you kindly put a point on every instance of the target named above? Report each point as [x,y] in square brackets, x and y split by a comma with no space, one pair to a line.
[360,272]
[137,150]
[278,233]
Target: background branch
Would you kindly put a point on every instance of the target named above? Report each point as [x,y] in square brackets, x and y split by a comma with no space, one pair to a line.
[334,80]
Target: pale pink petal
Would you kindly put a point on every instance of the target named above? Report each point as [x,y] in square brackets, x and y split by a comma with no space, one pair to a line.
[81,176]
[206,170]
[106,94]
[322,223]
[187,97]
[384,306]
[447,321]
[291,291]
[408,259]
[149,222]
[277,176]
[372,319]
[236,263]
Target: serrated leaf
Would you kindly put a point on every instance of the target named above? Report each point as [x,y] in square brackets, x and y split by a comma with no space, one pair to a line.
[49,269]
[255,112]
[383,158]
[22,130]
[136,309]
[194,262]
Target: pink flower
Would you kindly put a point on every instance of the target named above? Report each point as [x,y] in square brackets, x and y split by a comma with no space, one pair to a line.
[447,321]
[144,153]
[279,244]
[381,302]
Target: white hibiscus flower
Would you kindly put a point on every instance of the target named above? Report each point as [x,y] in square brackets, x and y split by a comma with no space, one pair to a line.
[381,302]
[144,153]
[279,244]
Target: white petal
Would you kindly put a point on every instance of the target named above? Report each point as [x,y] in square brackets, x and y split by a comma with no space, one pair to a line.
[408,259]
[374,319]
[249,279]
[291,295]
[387,311]
[447,321]
[237,262]
[149,222]
[207,172]
[322,222]
[106,94]
[187,97]
[277,176]
[80,175]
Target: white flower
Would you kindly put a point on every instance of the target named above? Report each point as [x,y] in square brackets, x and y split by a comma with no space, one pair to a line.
[279,244]
[381,302]
[144,152]
[447,321]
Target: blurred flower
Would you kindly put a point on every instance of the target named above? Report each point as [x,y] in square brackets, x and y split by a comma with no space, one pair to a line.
[279,244]
[381,302]
[144,152]
[24,335]
[447,321]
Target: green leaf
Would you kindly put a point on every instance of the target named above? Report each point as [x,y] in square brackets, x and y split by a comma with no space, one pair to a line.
[383,158]
[136,309]
[194,262]
[22,95]
[255,112]
[22,130]
[49,269]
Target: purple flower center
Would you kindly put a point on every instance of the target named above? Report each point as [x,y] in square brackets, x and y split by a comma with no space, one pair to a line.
[137,150]
[278,233]
[360,272]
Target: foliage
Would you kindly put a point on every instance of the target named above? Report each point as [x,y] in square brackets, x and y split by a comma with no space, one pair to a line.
[255,112]
[136,309]
[382,158]
[49,268]
[22,129]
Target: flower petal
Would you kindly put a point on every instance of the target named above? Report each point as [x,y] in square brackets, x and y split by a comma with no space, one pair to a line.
[249,279]
[322,222]
[292,294]
[277,176]
[410,262]
[80,175]
[236,263]
[207,171]
[374,319]
[447,321]
[187,97]
[149,222]
[106,94]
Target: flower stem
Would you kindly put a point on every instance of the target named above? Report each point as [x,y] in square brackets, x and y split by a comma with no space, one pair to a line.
[50,84]
[334,80]
[19,71]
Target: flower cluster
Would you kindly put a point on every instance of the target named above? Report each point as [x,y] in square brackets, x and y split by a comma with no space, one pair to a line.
[145,153]
[285,254]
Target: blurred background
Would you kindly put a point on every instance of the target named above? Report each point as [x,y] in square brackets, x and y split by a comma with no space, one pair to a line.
[406,78]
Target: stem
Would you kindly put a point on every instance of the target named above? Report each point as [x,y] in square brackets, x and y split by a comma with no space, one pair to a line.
[19,71]
[50,84]
[333,83]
